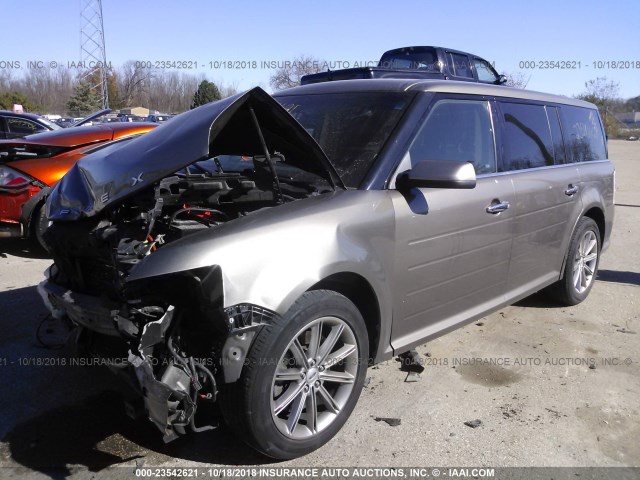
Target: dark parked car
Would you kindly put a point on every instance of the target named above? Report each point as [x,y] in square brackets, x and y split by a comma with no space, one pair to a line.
[421,63]
[65,122]
[16,125]
[158,118]
[261,252]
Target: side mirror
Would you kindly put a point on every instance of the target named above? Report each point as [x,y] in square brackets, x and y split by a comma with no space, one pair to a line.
[502,79]
[438,174]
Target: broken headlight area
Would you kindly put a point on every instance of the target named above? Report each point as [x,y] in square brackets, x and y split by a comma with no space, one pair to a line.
[182,356]
[171,380]
[179,340]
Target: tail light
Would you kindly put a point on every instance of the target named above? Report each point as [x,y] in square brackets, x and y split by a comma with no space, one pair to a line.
[13,179]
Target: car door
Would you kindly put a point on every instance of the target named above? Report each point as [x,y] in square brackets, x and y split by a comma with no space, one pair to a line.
[547,202]
[452,246]
[3,129]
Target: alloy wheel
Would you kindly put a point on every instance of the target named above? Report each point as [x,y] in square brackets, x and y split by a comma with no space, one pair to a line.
[314,378]
[585,261]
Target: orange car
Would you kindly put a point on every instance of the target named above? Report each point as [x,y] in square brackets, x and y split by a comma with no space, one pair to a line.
[30,166]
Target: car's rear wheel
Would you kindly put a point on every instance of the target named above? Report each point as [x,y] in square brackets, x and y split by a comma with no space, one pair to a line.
[302,377]
[581,266]
[40,224]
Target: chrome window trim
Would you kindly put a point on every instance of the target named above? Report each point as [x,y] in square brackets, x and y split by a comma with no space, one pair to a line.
[545,167]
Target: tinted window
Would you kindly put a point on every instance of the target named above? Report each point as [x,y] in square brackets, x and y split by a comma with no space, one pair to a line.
[351,128]
[457,130]
[484,70]
[583,134]
[21,126]
[460,65]
[527,142]
[556,135]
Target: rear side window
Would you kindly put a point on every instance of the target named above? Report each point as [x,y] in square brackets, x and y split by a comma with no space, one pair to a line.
[458,130]
[460,65]
[527,138]
[583,134]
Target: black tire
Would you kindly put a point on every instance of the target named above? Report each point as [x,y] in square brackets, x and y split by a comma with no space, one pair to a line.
[248,404]
[570,290]
[40,223]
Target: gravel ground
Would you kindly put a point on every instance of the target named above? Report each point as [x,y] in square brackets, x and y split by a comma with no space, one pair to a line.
[543,405]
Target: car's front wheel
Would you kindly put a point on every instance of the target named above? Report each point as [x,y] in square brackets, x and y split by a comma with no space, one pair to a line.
[302,377]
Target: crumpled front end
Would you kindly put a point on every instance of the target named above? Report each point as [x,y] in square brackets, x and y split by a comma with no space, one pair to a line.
[218,165]
[179,341]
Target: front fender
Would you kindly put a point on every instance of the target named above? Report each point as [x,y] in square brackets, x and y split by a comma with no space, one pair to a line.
[271,257]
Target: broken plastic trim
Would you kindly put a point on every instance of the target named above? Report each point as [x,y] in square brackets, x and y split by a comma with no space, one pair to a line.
[245,321]
[246,315]
[171,400]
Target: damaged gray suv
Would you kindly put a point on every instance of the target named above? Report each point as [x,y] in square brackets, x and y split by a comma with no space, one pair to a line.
[261,252]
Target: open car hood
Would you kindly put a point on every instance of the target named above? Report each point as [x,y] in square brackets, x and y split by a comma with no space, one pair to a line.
[110,175]
[90,117]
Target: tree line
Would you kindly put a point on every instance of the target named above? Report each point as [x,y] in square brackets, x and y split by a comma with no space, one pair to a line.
[66,92]
[605,94]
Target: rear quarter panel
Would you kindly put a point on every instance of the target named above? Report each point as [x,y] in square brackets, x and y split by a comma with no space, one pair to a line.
[597,182]
[47,170]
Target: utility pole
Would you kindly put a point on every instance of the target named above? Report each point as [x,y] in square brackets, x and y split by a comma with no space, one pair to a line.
[92,52]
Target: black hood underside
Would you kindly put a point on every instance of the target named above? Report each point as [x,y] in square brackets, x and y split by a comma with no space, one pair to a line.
[226,127]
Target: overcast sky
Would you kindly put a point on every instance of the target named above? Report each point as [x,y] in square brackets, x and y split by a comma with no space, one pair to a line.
[342,32]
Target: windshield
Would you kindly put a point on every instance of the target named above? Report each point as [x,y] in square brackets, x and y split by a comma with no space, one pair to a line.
[50,124]
[351,128]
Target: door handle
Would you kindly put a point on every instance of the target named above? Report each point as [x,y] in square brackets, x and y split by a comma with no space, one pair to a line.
[496,208]
[571,190]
